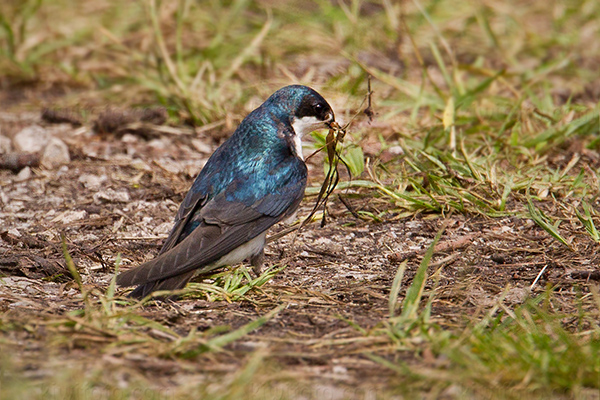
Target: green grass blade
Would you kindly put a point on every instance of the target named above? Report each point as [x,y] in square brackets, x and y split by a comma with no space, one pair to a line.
[230,337]
[395,289]
[70,264]
[587,221]
[544,222]
[414,292]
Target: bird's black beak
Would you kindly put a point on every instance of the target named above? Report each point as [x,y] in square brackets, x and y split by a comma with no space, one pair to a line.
[330,119]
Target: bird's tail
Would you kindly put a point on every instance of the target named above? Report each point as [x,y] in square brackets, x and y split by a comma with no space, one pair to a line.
[173,283]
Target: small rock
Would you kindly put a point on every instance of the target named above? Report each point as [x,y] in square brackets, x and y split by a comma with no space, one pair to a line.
[201,146]
[139,164]
[70,216]
[328,245]
[146,220]
[5,145]
[396,150]
[163,229]
[516,295]
[498,258]
[169,165]
[158,144]
[129,138]
[61,171]
[112,196]
[339,369]
[413,225]
[23,175]
[88,237]
[391,153]
[92,182]
[14,232]
[31,139]
[55,154]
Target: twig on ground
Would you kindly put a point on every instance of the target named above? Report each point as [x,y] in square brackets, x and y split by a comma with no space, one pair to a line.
[588,275]
[456,244]
[17,161]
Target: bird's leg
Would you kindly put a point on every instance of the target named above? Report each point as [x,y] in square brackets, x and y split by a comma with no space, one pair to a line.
[256,261]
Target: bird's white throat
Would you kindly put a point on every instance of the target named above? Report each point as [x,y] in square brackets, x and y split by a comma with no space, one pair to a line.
[303,126]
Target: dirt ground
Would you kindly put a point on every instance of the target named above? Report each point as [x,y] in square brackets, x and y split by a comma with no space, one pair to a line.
[119,194]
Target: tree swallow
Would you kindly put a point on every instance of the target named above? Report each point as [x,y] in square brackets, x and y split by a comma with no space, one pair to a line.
[255,179]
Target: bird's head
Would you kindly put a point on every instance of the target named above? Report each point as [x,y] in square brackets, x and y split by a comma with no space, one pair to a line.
[307,109]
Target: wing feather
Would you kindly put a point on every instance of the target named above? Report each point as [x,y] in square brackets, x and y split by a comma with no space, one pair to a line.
[184,216]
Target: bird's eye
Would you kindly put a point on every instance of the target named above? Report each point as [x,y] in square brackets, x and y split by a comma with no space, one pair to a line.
[318,107]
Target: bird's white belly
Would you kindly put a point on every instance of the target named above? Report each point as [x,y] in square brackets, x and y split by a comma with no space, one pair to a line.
[243,252]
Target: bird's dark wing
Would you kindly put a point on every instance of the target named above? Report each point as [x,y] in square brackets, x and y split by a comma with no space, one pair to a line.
[223,226]
[186,212]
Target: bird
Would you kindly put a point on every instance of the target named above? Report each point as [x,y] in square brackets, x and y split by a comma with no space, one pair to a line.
[254,180]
